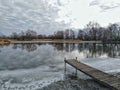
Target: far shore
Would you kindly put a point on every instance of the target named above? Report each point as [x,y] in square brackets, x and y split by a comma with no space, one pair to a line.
[52,41]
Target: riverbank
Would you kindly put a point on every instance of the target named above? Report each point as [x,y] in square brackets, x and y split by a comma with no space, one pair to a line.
[52,41]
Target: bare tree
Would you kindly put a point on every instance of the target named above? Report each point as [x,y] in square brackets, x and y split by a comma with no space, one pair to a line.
[59,35]
[114,31]
[93,27]
[14,35]
[66,34]
[81,34]
[30,34]
[72,34]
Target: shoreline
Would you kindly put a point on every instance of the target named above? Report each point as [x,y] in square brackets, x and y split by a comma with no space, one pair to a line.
[52,41]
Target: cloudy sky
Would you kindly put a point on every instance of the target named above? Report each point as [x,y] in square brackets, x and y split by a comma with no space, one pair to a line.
[47,16]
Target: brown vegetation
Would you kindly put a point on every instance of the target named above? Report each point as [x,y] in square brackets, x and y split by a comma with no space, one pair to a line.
[4,41]
[54,41]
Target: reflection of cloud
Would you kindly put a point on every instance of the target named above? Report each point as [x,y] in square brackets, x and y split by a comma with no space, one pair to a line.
[105,4]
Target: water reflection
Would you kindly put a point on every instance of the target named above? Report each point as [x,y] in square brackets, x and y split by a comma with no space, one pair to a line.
[27,47]
[91,50]
[71,83]
[48,53]
[68,47]
[43,63]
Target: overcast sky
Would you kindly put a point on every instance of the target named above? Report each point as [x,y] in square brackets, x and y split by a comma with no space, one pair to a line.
[47,16]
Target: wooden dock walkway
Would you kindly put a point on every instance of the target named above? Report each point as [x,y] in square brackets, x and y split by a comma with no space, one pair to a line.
[103,78]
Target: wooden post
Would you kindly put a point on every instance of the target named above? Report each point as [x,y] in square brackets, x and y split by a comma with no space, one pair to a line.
[65,64]
[76,69]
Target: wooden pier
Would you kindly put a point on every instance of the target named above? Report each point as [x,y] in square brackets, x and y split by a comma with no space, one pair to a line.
[103,78]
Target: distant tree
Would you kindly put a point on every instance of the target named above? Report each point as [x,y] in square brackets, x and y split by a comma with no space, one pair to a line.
[93,27]
[81,34]
[14,35]
[40,36]
[30,34]
[67,33]
[114,30]
[59,35]
[22,35]
[92,31]
[71,34]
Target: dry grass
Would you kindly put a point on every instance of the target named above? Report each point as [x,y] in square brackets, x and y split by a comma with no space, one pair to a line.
[55,41]
[4,41]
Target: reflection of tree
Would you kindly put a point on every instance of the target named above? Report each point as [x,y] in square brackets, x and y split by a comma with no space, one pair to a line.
[58,46]
[72,47]
[28,47]
[15,46]
[94,50]
[114,49]
[89,49]
[31,47]
[68,47]
[39,44]
[81,47]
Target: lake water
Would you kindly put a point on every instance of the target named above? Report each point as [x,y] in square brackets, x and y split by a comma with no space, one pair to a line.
[33,66]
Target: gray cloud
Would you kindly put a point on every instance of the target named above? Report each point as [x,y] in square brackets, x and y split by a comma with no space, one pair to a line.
[105,6]
[1,34]
[95,2]
[39,15]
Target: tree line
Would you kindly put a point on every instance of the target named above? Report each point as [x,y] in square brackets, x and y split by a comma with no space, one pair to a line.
[92,31]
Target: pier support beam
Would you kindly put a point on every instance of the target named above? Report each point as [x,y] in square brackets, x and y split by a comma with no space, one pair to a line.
[65,64]
[76,69]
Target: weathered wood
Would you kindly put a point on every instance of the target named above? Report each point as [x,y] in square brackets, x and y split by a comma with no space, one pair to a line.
[104,78]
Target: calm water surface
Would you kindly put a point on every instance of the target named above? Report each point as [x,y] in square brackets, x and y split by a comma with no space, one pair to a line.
[33,66]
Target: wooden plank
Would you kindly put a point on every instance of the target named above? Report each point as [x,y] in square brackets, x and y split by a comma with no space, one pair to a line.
[102,77]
